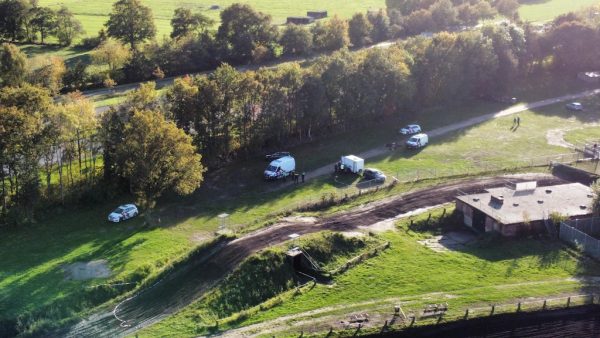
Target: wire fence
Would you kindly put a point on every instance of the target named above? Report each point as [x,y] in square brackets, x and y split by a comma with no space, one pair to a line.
[582,234]
[402,315]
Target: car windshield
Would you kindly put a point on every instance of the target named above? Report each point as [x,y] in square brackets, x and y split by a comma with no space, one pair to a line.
[118,211]
[271,168]
[413,139]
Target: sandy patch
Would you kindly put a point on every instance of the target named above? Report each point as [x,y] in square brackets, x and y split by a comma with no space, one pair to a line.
[87,270]
[300,219]
[454,240]
[199,237]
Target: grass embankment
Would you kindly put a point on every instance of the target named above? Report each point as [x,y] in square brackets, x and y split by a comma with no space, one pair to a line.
[538,11]
[262,277]
[31,275]
[486,271]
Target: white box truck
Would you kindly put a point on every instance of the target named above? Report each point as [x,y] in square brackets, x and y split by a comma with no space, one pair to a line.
[280,168]
[351,164]
[417,141]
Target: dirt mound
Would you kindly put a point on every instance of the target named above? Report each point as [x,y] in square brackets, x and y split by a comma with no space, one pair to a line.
[87,270]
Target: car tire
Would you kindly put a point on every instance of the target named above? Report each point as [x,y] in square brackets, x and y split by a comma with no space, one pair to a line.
[135,214]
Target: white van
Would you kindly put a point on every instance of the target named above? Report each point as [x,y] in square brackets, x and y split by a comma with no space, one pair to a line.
[417,141]
[351,163]
[280,168]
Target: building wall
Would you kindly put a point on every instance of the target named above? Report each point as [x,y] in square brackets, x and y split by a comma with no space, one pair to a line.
[467,212]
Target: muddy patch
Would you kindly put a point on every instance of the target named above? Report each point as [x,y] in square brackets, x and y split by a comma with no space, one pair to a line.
[87,270]
[451,241]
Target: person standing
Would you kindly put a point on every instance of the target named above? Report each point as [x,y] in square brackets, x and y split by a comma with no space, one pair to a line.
[303,173]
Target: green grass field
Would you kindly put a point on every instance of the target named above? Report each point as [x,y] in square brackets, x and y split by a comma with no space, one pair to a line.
[94,13]
[544,10]
[486,271]
[31,275]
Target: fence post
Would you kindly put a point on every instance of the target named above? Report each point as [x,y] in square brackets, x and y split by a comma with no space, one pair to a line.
[544,306]
[412,322]
[467,314]
[493,309]
[519,307]
[568,302]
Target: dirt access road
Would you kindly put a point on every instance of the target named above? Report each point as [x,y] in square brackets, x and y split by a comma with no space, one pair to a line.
[183,286]
[519,108]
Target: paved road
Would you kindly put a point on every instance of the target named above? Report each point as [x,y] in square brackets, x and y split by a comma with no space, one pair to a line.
[464,124]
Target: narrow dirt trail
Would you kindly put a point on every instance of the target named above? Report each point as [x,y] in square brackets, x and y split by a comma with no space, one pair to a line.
[519,108]
[301,319]
[179,289]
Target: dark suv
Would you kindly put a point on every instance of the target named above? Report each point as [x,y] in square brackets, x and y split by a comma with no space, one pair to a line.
[277,155]
[374,174]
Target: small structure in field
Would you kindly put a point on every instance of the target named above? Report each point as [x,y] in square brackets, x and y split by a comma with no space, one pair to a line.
[317,14]
[300,20]
[589,77]
[523,208]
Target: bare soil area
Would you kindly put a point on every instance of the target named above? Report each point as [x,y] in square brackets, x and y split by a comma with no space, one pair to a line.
[87,270]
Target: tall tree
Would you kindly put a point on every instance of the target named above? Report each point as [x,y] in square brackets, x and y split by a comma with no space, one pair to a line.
[131,22]
[13,65]
[359,29]
[381,25]
[44,21]
[243,29]
[13,14]
[332,35]
[158,156]
[67,26]
[184,22]
[296,40]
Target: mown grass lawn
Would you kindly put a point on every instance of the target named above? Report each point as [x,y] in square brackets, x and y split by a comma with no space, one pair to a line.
[545,10]
[486,271]
[31,275]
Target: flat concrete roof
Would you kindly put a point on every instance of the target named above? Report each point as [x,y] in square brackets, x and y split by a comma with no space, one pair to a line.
[532,205]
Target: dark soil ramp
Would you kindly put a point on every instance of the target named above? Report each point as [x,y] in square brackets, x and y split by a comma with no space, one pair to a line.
[204,270]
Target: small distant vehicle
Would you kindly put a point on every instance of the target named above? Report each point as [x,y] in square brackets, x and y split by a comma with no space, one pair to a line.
[124,212]
[575,106]
[411,129]
[350,164]
[417,141]
[277,155]
[374,174]
[280,168]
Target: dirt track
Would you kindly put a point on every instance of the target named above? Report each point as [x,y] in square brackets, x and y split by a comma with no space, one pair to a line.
[187,284]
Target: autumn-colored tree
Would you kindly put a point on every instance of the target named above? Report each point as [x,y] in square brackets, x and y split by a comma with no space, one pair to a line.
[157,156]
[13,65]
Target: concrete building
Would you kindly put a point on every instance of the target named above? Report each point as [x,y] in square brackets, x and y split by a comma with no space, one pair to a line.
[523,208]
[300,20]
[317,14]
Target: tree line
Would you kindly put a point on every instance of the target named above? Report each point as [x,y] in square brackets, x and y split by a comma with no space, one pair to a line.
[126,50]
[26,21]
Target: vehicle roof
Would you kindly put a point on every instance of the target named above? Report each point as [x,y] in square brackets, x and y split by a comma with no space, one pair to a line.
[127,205]
[576,103]
[281,160]
[373,169]
[353,158]
[420,135]
[412,125]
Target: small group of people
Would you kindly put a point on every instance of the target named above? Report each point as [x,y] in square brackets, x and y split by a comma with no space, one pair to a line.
[339,167]
[296,176]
